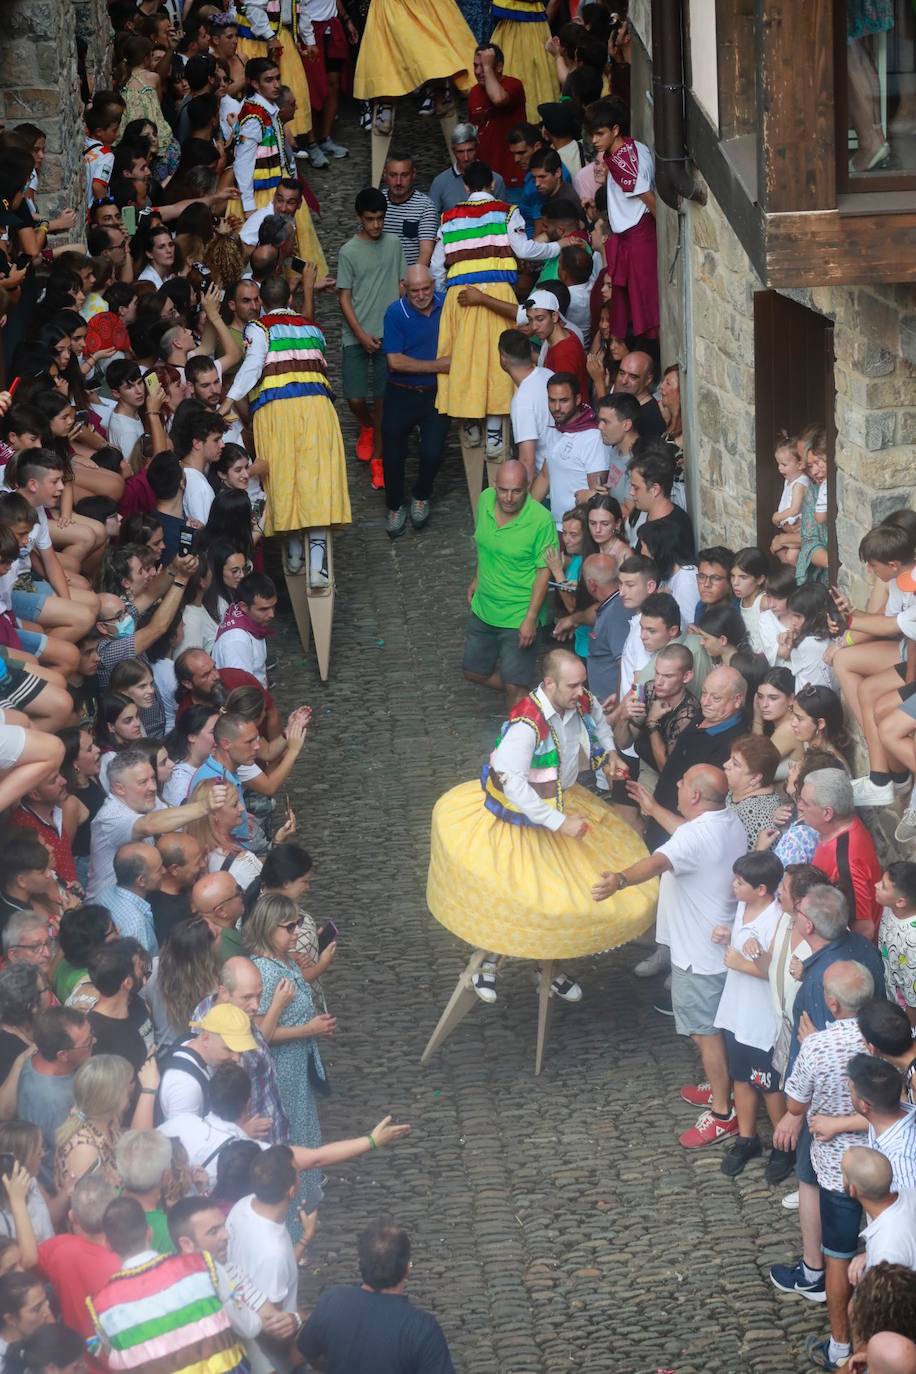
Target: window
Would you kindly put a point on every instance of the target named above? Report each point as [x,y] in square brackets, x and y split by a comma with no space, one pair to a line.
[876,95]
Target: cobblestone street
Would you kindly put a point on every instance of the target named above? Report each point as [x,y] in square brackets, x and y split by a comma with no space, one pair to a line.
[556,1223]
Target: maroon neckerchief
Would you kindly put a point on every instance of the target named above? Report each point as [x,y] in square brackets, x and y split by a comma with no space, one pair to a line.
[584,419]
[623,165]
[237,618]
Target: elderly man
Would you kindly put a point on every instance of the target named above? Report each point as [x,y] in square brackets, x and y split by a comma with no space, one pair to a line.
[447,189]
[182,864]
[410,215]
[218,898]
[818,1086]
[576,458]
[611,625]
[201,683]
[695,895]
[78,1262]
[286,200]
[635,375]
[133,811]
[411,343]
[27,939]
[846,851]
[137,873]
[507,593]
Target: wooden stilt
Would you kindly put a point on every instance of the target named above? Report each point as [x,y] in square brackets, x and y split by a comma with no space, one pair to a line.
[321,612]
[380,145]
[297,586]
[462,1001]
[473,469]
[548,971]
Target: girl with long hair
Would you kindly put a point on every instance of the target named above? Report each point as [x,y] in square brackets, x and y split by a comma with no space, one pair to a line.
[819,722]
[189,745]
[773,716]
[103,1091]
[808,614]
[188,972]
[118,726]
[748,579]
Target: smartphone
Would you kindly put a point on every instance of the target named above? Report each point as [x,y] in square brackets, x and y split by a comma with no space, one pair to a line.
[6,1163]
[153,384]
[185,542]
[327,936]
[23,261]
[81,418]
[298,264]
[129,219]
[641,692]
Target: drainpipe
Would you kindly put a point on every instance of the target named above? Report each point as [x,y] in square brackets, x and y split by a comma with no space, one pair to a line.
[673,180]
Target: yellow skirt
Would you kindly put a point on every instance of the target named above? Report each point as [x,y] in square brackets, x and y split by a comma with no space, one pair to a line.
[524,891]
[292,74]
[469,334]
[306,480]
[526,59]
[409,42]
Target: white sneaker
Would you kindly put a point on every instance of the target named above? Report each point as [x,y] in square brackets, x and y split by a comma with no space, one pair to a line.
[383,118]
[867,793]
[906,830]
[790,1201]
[494,443]
[653,964]
[563,986]
[484,983]
[471,434]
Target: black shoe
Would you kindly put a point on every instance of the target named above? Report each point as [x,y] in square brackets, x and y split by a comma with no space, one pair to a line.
[662,1003]
[779,1165]
[745,1148]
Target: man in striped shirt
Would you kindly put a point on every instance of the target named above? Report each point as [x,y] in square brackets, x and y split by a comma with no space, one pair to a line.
[876,1088]
[410,215]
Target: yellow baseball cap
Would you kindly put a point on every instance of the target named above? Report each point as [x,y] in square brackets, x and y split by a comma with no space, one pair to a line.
[233,1024]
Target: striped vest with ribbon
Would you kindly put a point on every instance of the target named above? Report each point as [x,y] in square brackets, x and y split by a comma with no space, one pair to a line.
[270,164]
[271,9]
[295,364]
[476,243]
[519,11]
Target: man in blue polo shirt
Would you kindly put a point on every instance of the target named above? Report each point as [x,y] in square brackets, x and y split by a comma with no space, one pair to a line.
[411,338]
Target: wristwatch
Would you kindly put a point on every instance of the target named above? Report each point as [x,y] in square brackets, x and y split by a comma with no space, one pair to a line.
[622,881]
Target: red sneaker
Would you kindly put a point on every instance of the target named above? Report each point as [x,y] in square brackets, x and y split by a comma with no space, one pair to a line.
[699,1095]
[707,1131]
[365,443]
[377,474]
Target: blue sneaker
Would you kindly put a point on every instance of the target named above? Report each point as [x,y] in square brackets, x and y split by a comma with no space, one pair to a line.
[791,1279]
[818,1352]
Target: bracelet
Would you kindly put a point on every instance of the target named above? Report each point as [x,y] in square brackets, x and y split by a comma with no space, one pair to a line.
[176,583]
[848,639]
[147,1092]
[373,1143]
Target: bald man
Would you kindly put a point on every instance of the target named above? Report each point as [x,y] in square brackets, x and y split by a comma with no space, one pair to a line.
[507,593]
[695,895]
[887,1353]
[182,864]
[137,872]
[891,1231]
[635,375]
[411,342]
[218,898]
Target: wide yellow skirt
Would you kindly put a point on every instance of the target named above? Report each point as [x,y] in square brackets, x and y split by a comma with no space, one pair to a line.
[526,59]
[292,74]
[524,891]
[306,480]
[469,334]
[409,42]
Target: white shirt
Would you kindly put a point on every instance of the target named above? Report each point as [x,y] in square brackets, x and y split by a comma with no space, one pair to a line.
[892,1235]
[746,1006]
[683,587]
[522,246]
[228,114]
[202,1137]
[124,432]
[167,687]
[252,226]
[530,414]
[770,627]
[39,538]
[245,867]
[788,493]
[752,615]
[180,1094]
[239,649]
[571,459]
[199,629]
[807,663]
[149,273]
[625,208]
[198,495]
[696,894]
[263,1249]
[511,758]
[112,827]
[580,310]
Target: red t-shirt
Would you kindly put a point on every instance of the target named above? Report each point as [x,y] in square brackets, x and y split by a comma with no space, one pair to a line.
[493,123]
[569,356]
[851,861]
[76,1269]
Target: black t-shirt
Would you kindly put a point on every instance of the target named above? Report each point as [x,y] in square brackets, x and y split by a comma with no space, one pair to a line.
[11,1046]
[131,1038]
[693,746]
[678,517]
[355,1331]
[168,912]
[650,422]
[93,796]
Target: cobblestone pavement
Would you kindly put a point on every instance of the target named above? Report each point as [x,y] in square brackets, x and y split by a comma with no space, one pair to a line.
[556,1223]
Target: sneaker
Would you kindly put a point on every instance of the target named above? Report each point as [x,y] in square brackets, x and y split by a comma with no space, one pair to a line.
[790,1201]
[316,155]
[444,101]
[419,514]
[790,1278]
[471,434]
[699,1095]
[383,118]
[365,115]
[396,522]
[494,443]
[365,443]
[708,1130]
[484,983]
[906,830]
[662,1003]
[319,579]
[779,1166]
[332,149]
[744,1149]
[817,1348]
[867,793]
[654,964]
[903,786]
[377,475]
[564,987]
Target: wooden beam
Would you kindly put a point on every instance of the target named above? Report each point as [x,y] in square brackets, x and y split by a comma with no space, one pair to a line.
[737,76]
[797,167]
[836,249]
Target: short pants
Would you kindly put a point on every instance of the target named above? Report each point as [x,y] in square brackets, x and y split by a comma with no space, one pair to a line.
[841,1217]
[695,1000]
[12,743]
[31,642]
[19,688]
[363,376]
[747,1064]
[28,605]
[488,647]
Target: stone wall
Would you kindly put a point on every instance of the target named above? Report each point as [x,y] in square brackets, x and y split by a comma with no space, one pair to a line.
[39,82]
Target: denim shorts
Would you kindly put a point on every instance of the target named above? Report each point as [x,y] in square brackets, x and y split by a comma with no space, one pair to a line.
[31,642]
[27,605]
[695,1000]
[841,1217]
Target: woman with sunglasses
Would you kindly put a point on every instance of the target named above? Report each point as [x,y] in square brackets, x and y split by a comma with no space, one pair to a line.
[270,935]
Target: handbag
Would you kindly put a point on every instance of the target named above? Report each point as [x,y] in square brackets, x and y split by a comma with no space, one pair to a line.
[317,1081]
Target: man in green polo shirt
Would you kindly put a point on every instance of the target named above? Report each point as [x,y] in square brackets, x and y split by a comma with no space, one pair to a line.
[508,591]
[218,898]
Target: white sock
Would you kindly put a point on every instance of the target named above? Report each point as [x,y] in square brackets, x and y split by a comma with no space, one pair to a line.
[811,1274]
[495,426]
[318,548]
[839,1351]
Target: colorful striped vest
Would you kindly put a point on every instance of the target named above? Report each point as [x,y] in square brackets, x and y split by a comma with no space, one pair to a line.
[476,243]
[164,1316]
[295,363]
[544,773]
[270,164]
[519,11]
[271,9]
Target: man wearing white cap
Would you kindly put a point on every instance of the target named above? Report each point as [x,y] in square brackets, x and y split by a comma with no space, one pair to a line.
[223,1036]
